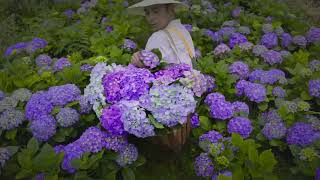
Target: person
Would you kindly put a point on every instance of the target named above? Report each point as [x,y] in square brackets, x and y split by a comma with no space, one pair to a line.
[175,44]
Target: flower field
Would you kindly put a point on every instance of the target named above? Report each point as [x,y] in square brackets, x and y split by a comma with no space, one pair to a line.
[73,107]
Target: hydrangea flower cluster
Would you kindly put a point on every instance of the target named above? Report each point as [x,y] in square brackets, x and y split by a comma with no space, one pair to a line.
[286,40]
[170,105]
[240,69]
[279,92]
[203,165]
[219,107]
[211,142]
[301,134]
[19,47]
[267,77]
[129,84]
[43,60]
[21,94]
[313,35]
[127,156]
[241,126]
[314,65]
[269,40]
[64,94]
[30,47]
[111,120]
[196,81]
[226,32]
[274,130]
[272,57]
[149,59]
[240,107]
[236,39]
[210,82]
[236,12]
[43,128]
[195,122]
[67,117]
[10,119]
[170,74]
[258,50]
[60,64]
[314,88]
[68,13]
[300,41]
[221,49]
[86,67]
[129,44]
[254,91]
[246,46]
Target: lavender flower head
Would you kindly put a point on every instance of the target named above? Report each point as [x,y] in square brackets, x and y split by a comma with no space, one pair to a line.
[299,40]
[195,122]
[60,64]
[111,120]
[64,94]
[92,140]
[129,44]
[67,117]
[39,104]
[236,39]
[149,59]
[86,68]
[240,69]
[127,156]
[68,13]
[269,40]
[128,84]
[221,49]
[170,105]
[221,110]
[213,98]
[19,47]
[236,12]
[43,60]
[109,29]
[314,88]
[85,106]
[10,119]
[210,82]
[71,151]
[286,40]
[301,134]
[255,92]
[313,35]
[36,43]
[258,50]
[279,92]
[43,128]
[228,31]
[272,57]
[241,126]
[314,65]
[134,119]
[274,130]
[203,165]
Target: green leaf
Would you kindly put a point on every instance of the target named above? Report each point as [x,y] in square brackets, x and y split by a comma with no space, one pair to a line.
[253,154]
[55,110]
[46,160]
[115,52]
[155,123]
[24,174]
[237,140]
[267,160]
[25,159]
[263,106]
[205,123]
[12,149]
[33,145]
[127,174]
[140,161]
[305,96]
[11,135]
[223,177]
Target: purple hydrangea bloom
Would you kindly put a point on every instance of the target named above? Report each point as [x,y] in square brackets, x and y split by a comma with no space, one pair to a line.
[128,84]
[286,40]
[236,39]
[211,142]
[127,156]
[2,95]
[246,46]
[239,68]
[210,82]
[225,173]
[109,29]
[272,57]
[274,130]
[129,44]
[36,43]
[92,140]
[64,94]
[255,92]
[43,60]
[71,151]
[195,122]
[44,127]
[211,136]
[213,98]
[269,40]
[221,49]
[203,165]
[111,120]
[258,50]
[221,110]
[16,47]
[318,174]
[271,116]
[69,13]
[67,117]
[10,119]
[195,81]
[314,65]
[208,32]
[241,126]
[217,37]
[228,31]
[86,67]
[40,176]
[269,19]
[256,75]
[39,104]
[272,76]
[299,40]
[149,59]
[285,53]
[236,12]
[171,74]
[115,143]
[188,27]
[279,92]
[313,35]
[314,88]
[60,64]
[301,134]
[240,107]
[240,87]
[85,106]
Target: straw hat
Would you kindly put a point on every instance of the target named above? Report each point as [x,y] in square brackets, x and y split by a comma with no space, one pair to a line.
[138,8]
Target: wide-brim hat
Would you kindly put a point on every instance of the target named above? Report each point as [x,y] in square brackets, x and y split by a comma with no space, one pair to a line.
[138,8]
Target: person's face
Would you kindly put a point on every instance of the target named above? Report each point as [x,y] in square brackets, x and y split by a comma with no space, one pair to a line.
[158,16]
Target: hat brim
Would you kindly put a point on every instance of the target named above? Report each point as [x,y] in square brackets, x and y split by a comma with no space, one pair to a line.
[138,9]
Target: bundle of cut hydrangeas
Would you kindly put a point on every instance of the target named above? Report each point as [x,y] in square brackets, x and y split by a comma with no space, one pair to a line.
[145,101]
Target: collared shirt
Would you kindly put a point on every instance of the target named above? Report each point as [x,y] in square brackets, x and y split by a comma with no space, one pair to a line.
[174,49]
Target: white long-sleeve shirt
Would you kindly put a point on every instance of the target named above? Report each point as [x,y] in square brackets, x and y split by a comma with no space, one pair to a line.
[177,49]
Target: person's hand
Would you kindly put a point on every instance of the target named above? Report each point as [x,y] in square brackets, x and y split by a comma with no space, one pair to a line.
[135,60]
